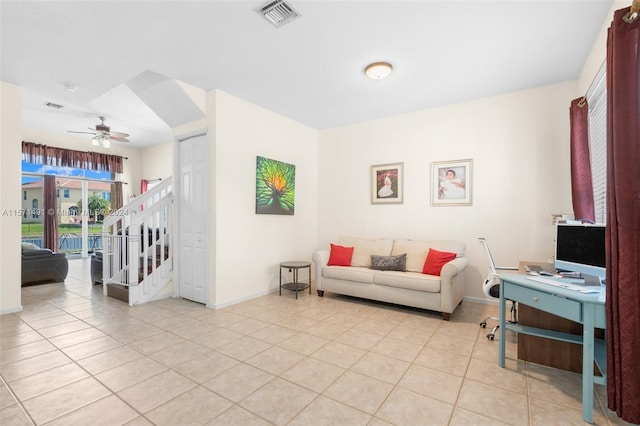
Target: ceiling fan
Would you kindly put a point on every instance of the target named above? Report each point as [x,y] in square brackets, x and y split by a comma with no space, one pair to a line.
[103,135]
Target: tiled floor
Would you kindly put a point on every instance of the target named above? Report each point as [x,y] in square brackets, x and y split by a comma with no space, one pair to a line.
[74,357]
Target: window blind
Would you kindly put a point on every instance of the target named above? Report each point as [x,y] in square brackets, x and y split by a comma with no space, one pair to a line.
[597,99]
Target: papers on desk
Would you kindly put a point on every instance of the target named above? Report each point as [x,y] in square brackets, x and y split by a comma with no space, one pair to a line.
[565,284]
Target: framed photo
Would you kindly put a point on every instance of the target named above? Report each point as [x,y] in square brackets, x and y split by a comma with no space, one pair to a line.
[451,183]
[387,183]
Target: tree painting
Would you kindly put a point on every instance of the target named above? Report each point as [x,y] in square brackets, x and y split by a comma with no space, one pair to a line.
[275,187]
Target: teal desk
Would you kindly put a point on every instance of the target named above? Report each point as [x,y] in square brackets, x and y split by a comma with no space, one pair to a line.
[587,309]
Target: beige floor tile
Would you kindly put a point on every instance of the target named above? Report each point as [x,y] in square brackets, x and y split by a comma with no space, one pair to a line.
[313,374]
[179,354]
[278,401]
[297,323]
[462,417]
[409,334]
[108,359]
[12,327]
[359,339]
[67,327]
[50,321]
[381,367]
[217,338]
[303,343]
[554,385]
[547,413]
[238,382]
[76,337]
[224,319]
[25,351]
[460,330]
[275,360]
[358,391]
[398,349]
[273,334]
[156,390]
[33,365]
[244,348]
[325,411]
[64,400]
[6,398]
[339,354]
[443,361]
[92,347]
[403,407]
[14,416]
[189,332]
[156,342]
[130,373]
[511,378]
[238,416]
[326,330]
[206,366]
[247,326]
[7,342]
[195,407]
[37,384]
[451,344]
[432,383]
[499,404]
[108,411]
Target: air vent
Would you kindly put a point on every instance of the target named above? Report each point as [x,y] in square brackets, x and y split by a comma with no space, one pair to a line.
[54,106]
[278,13]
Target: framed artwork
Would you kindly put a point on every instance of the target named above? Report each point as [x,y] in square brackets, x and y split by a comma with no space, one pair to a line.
[387,183]
[275,187]
[451,183]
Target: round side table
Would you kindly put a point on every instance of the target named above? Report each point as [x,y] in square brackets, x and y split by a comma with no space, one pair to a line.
[295,285]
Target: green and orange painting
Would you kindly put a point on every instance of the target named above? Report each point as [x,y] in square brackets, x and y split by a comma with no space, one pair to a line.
[275,187]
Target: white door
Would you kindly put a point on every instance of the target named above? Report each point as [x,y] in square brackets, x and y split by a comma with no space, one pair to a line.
[193,225]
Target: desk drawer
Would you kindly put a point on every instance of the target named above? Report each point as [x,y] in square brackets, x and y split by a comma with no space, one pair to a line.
[547,302]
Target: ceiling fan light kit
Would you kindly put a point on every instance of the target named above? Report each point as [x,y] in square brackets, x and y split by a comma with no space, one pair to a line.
[103,135]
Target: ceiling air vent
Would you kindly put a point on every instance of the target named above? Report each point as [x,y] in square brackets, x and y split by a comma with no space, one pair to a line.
[278,12]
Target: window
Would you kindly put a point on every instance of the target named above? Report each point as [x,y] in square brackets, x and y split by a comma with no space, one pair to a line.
[73,211]
[597,99]
[106,195]
[24,195]
[34,208]
[66,193]
[57,193]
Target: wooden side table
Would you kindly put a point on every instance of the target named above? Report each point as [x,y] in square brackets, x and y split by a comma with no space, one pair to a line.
[295,285]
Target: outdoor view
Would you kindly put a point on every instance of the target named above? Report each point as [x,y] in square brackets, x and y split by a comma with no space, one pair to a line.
[69,205]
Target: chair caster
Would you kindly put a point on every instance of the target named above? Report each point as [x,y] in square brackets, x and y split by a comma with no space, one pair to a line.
[490,336]
[483,324]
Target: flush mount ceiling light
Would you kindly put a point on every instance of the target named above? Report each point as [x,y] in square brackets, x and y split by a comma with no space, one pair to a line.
[378,70]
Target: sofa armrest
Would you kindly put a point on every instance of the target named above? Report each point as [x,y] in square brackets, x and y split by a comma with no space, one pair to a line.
[452,284]
[320,258]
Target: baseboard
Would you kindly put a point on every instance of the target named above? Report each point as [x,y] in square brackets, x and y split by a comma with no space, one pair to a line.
[482,300]
[11,310]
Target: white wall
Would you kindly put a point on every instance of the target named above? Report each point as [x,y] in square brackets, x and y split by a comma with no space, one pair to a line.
[519,143]
[10,202]
[249,246]
[157,162]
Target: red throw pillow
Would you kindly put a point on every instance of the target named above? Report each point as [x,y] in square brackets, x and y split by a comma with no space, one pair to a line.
[340,256]
[435,261]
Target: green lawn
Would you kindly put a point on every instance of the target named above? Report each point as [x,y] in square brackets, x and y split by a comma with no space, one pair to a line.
[34,229]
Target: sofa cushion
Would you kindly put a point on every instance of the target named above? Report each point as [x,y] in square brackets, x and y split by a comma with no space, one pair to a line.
[436,260]
[389,263]
[363,249]
[349,273]
[408,280]
[417,251]
[29,247]
[340,256]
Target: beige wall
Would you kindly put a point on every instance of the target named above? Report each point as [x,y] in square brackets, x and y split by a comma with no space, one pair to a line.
[519,143]
[10,197]
[157,162]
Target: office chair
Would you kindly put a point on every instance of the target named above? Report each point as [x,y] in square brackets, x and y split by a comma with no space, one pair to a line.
[491,287]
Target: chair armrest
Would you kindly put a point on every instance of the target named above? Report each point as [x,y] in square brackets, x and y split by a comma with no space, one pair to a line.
[454,267]
[320,258]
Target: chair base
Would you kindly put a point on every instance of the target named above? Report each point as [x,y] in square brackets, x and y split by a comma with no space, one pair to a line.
[494,330]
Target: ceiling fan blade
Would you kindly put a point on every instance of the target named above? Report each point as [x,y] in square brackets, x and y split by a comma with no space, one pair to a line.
[118,138]
[119,134]
[88,133]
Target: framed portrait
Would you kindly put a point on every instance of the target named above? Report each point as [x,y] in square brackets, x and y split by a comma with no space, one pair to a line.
[451,183]
[387,183]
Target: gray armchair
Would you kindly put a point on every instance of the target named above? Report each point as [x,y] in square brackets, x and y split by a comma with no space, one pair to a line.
[42,265]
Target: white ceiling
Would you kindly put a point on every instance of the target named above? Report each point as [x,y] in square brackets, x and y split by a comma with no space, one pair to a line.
[309,70]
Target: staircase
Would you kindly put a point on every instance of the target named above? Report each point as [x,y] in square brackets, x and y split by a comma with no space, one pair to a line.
[137,259]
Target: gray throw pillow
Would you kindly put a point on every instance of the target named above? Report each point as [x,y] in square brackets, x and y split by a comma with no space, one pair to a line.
[389,263]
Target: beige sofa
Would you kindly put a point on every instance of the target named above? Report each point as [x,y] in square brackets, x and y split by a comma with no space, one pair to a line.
[412,288]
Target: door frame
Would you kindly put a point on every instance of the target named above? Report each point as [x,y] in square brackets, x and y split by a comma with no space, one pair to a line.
[177,185]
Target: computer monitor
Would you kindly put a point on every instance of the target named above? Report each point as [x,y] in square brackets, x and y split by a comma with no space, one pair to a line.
[581,248]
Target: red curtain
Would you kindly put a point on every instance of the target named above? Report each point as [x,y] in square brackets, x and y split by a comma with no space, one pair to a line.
[50,216]
[623,221]
[581,182]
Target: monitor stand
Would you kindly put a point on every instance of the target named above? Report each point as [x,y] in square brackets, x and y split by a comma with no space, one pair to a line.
[592,280]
